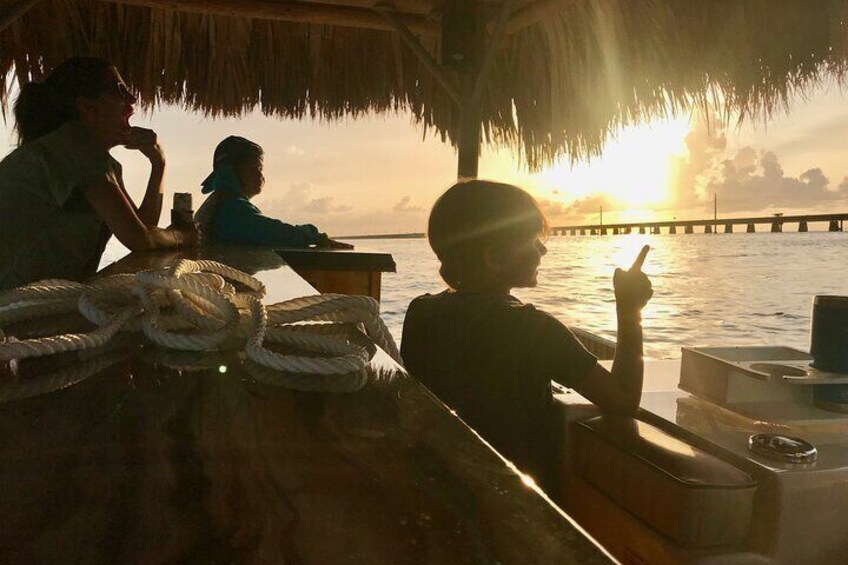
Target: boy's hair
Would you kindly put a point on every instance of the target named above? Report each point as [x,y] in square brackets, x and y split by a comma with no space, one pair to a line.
[473,215]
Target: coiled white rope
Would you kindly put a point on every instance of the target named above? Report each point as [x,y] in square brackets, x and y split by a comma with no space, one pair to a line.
[193,307]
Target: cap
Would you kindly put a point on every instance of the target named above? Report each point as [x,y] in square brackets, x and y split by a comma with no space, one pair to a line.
[232,150]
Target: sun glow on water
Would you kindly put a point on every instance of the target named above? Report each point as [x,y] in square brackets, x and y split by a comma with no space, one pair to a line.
[633,170]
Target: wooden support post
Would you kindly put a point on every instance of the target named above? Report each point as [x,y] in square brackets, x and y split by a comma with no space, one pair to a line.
[655,230]
[593,232]
[582,231]
[642,230]
[614,231]
[728,228]
[469,142]
[672,229]
[802,226]
[627,230]
[15,12]
[751,228]
[474,84]
[574,232]
[603,231]
[689,229]
[708,229]
[833,226]
[776,227]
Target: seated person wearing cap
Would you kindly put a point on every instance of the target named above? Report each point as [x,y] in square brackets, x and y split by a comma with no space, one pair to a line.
[227,216]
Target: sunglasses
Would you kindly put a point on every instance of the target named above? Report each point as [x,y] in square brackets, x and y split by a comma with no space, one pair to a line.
[121,91]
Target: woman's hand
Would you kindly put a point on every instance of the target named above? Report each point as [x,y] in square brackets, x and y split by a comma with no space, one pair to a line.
[146,142]
[632,287]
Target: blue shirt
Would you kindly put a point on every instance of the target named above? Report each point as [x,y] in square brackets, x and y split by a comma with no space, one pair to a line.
[233,219]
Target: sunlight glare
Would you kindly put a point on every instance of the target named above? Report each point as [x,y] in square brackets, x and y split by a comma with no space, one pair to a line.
[628,249]
[633,170]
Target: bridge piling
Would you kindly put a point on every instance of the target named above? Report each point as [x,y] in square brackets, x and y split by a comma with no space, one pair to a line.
[774,223]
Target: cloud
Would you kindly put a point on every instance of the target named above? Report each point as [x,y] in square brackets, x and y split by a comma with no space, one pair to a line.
[299,204]
[843,187]
[323,205]
[590,204]
[404,205]
[294,150]
[756,181]
[749,180]
[706,144]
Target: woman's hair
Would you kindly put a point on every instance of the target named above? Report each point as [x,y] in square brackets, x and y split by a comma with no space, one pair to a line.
[42,107]
[473,215]
[236,151]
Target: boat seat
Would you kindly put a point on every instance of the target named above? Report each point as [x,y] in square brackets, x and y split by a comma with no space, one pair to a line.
[688,495]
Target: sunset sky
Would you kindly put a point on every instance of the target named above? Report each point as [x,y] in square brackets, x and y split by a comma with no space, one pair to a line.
[380,175]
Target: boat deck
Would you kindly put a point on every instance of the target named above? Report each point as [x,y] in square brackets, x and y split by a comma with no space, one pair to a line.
[144,455]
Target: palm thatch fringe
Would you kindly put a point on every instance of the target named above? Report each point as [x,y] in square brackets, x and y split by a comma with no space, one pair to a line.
[558,86]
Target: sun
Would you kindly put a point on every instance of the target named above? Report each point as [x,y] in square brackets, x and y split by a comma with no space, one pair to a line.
[633,171]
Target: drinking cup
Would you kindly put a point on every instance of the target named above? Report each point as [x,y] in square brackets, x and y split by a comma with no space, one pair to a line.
[829,334]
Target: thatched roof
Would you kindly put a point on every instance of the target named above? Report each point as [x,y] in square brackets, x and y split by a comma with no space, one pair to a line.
[566,72]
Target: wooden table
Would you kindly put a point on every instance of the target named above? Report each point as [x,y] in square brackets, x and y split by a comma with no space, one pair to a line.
[157,459]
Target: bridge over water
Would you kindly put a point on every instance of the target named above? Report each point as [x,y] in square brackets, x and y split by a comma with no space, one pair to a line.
[774,224]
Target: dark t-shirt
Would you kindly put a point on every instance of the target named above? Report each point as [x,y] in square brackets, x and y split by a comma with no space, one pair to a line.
[492,359]
[48,229]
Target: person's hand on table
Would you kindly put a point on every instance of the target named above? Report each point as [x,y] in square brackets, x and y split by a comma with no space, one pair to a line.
[632,287]
[324,242]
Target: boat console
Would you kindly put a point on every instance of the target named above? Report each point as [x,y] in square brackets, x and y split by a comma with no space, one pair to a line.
[738,455]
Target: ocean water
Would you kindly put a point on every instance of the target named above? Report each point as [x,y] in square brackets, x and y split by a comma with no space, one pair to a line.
[709,289]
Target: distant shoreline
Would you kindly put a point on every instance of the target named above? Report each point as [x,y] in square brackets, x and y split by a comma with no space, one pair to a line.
[384,236]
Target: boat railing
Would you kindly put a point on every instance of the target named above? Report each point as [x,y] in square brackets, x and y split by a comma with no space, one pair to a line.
[600,347]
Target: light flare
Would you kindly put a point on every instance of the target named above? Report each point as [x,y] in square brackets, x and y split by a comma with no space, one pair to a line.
[634,169]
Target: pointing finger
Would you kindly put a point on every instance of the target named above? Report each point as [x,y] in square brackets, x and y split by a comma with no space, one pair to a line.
[640,260]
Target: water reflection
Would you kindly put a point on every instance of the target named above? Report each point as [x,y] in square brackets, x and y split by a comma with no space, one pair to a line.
[709,289]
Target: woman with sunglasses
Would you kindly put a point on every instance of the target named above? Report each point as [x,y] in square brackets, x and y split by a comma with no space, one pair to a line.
[62,194]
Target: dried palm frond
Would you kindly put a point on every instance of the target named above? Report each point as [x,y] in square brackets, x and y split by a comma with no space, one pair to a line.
[559,86]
